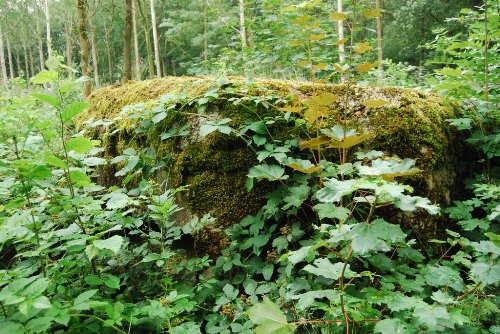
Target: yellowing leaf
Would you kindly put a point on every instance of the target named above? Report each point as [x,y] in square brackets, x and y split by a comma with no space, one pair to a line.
[339,68]
[315,112]
[324,99]
[452,72]
[302,20]
[371,13]
[365,67]
[289,9]
[375,103]
[314,25]
[303,63]
[341,41]
[351,141]
[315,142]
[338,16]
[362,48]
[295,43]
[320,66]
[318,37]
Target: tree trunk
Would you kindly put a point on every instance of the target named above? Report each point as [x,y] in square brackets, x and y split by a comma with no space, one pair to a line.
[26,62]
[47,20]
[18,62]
[3,68]
[40,44]
[32,61]
[108,52]
[95,61]
[250,36]
[146,28]
[68,27]
[205,30]
[127,43]
[137,60]
[379,38]
[9,55]
[155,38]
[340,29]
[243,34]
[84,47]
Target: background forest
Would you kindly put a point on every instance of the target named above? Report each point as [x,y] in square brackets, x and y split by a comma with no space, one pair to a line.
[90,240]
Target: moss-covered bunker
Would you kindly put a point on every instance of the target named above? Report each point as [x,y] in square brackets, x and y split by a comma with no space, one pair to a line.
[412,124]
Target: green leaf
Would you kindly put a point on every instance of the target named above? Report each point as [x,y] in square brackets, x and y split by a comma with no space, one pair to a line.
[218,125]
[443,298]
[80,145]
[79,178]
[389,169]
[45,77]
[117,200]
[268,271]
[296,196]
[411,203]
[376,236]
[113,244]
[390,326]
[306,299]
[323,267]
[39,173]
[331,211]
[270,318]
[41,302]
[52,100]
[11,327]
[187,328]
[72,110]
[430,316]
[55,161]
[80,301]
[39,324]
[487,273]
[111,281]
[444,276]
[334,190]
[270,172]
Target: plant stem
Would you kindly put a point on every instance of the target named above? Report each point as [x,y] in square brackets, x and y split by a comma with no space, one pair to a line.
[99,319]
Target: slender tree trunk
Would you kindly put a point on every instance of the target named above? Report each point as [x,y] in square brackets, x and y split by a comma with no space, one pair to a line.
[95,61]
[147,36]
[40,44]
[243,34]
[9,55]
[108,52]
[47,20]
[205,30]
[3,68]
[174,70]
[136,44]
[84,47]
[127,42]
[32,61]
[18,62]
[155,38]
[340,29]
[68,26]
[26,61]
[250,36]
[380,54]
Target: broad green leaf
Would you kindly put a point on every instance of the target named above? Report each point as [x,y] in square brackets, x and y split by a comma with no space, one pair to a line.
[55,161]
[39,173]
[331,211]
[390,326]
[376,236]
[461,123]
[307,299]
[488,273]
[323,267]
[304,166]
[80,301]
[218,125]
[315,143]
[296,196]
[45,77]
[334,190]
[411,203]
[113,244]
[79,178]
[111,281]
[72,110]
[338,132]
[268,271]
[443,298]
[270,318]
[11,327]
[80,145]
[430,316]
[271,172]
[187,328]
[389,169]
[117,200]
[52,100]
[41,302]
[439,276]
[39,324]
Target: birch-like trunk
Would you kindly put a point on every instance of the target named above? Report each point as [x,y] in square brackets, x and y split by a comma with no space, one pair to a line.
[9,56]
[32,61]
[39,36]
[155,38]
[147,37]
[137,60]
[3,68]
[18,62]
[108,52]
[340,30]
[47,22]
[380,54]
[26,61]
[243,34]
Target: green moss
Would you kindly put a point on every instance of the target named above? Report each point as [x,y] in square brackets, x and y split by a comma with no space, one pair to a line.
[214,168]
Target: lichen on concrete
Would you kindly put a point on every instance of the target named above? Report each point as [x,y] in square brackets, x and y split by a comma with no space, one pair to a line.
[412,125]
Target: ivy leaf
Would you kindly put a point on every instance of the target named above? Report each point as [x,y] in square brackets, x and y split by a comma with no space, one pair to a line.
[390,326]
[72,110]
[113,244]
[217,125]
[486,273]
[331,211]
[270,318]
[323,267]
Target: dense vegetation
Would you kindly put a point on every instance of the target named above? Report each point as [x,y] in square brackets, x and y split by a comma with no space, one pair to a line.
[322,255]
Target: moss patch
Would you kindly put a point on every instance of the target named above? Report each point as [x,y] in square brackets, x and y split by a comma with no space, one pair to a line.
[412,124]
